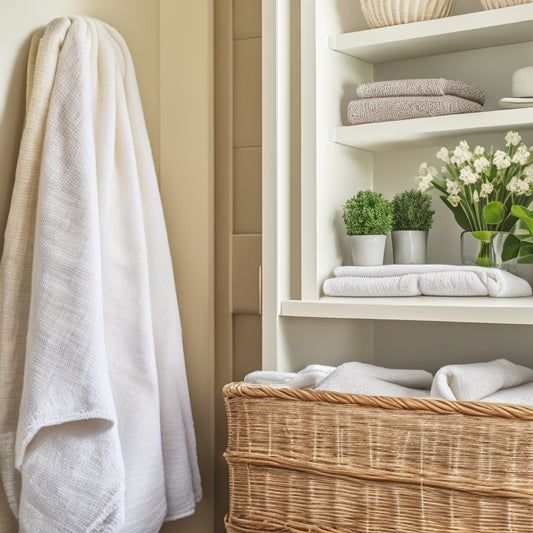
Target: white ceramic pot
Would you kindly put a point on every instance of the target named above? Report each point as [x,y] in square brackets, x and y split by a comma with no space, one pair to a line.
[367,250]
[409,247]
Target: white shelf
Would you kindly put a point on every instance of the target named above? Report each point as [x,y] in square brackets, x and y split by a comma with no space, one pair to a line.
[481,29]
[427,131]
[423,308]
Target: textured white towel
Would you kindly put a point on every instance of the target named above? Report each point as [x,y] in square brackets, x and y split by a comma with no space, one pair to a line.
[421,87]
[428,280]
[309,377]
[494,381]
[104,348]
[17,257]
[362,378]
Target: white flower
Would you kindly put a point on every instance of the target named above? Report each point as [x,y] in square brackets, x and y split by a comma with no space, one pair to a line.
[486,189]
[425,169]
[444,155]
[481,164]
[522,155]
[461,154]
[468,176]
[425,182]
[475,197]
[518,186]
[512,138]
[452,187]
[454,200]
[479,150]
[528,171]
[501,160]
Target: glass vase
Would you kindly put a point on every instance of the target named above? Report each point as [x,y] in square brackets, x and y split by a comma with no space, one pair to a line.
[488,254]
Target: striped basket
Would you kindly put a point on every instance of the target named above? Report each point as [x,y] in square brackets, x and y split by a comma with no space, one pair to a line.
[380,13]
[315,461]
[495,4]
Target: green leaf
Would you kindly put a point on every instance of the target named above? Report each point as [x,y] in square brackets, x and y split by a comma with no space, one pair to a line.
[523,214]
[483,236]
[526,253]
[511,247]
[458,214]
[493,212]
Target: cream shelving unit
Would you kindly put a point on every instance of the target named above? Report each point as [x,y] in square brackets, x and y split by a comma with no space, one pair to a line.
[302,326]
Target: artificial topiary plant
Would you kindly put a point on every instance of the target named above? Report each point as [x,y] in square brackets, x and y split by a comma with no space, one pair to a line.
[411,210]
[367,213]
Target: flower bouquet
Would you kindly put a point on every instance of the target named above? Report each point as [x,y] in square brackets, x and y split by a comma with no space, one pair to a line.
[480,187]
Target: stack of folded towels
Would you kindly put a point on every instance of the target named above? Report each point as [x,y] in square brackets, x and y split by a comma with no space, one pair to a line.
[425,280]
[499,381]
[383,101]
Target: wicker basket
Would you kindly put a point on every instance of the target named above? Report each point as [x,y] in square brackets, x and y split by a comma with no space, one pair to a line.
[380,13]
[495,4]
[315,461]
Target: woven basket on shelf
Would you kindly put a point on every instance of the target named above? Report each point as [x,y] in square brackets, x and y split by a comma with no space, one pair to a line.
[380,13]
[302,460]
[495,4]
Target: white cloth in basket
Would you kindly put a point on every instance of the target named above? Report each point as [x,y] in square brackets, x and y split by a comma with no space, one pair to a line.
[493,381]
[309,377]
[427,280]
[362,378]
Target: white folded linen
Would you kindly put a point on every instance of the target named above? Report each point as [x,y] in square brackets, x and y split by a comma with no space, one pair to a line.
[105,440]
[17,258]
[372,380]
[309,377]
[428,280]
[494,381]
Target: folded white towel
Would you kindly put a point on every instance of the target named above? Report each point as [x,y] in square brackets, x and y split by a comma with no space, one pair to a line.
[428,280]
[309,377]
[498,380]
[362,378]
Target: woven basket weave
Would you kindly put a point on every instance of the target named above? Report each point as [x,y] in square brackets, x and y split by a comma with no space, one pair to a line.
[495,4]
[316,461]
[380,13]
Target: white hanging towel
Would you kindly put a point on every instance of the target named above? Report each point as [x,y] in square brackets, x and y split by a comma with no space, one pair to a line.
[105,405]
[17,258]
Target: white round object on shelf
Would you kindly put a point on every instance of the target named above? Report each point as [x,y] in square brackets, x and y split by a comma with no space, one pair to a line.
[522,83]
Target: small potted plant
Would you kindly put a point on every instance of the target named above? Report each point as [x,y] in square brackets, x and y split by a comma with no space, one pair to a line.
[368,218]
[412,218]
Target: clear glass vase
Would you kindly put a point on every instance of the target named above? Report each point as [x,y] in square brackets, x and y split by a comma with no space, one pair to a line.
[476,252]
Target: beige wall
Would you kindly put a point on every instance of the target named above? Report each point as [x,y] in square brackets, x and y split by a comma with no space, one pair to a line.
[171,42]
[187,188]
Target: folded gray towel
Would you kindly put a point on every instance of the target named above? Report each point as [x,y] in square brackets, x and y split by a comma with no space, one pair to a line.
[421,87]
[385,109]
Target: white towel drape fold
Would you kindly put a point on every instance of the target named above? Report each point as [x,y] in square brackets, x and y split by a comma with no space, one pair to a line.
[17,258]
[105,440]
[427,280]
[493,381]
[362,378]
